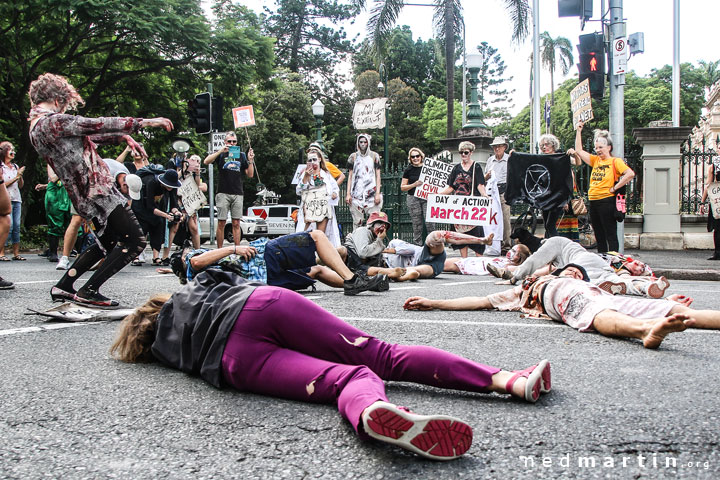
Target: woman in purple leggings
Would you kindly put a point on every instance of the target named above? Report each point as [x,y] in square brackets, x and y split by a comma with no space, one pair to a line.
[273,341]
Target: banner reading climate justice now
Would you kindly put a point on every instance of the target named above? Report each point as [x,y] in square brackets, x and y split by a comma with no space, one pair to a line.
[461,209]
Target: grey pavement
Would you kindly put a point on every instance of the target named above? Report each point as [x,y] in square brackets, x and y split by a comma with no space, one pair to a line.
[70,411]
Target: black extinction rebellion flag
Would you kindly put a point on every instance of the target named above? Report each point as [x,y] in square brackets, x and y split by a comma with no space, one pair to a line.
[543,181]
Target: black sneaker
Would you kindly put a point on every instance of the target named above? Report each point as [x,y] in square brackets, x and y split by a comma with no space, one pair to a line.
[96,299]
[362,283]
[60,295]
[383,284]
[45,253]
[53,258]
[5,285]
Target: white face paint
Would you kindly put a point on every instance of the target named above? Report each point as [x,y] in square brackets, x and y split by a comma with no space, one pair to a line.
[572,272]
[313,162]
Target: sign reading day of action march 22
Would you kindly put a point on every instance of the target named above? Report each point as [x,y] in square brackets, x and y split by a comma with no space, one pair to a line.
[461,210]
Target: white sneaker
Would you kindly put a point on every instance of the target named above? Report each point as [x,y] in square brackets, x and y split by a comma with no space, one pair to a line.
[141,258]
[63,264]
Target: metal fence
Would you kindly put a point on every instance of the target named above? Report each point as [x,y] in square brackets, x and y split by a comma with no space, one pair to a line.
[695,159]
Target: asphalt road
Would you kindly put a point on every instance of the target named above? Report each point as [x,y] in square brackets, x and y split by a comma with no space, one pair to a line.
[69,411]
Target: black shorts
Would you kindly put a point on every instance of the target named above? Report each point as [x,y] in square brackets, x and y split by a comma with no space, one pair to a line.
[437,262]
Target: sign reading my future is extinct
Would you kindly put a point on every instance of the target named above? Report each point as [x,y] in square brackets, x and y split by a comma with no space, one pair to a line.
[461,209]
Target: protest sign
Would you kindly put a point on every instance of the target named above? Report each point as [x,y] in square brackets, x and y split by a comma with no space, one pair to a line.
[315,204]
[298,174]
[369,113]
[243,116]
[714,198]
[434,175]
[580,103]
[192,197]
[465,210]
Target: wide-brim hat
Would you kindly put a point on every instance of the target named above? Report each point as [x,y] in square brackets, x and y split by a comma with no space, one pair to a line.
[134,184]
[170,179]
[498,141]
[378,217]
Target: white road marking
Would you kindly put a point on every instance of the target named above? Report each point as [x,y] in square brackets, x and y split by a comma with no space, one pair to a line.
[35,281]
[469,281]
[50,326]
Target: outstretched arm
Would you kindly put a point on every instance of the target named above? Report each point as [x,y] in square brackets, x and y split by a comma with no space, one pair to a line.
[206,259]
[464,303]
[579,151]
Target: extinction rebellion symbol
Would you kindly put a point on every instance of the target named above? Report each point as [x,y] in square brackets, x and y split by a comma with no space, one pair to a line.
[537,181]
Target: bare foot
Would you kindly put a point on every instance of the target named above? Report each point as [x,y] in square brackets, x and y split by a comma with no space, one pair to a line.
[409,275]
[658,329]
[397,274]
[488,240]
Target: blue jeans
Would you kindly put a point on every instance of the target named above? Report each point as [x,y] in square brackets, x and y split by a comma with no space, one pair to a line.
[14,234]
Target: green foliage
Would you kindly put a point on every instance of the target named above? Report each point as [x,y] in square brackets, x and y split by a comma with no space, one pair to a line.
[434,120]
[495,100]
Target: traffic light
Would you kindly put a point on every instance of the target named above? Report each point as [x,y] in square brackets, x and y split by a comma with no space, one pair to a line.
[592,63]
[217,114]
[575,8]
[200,113]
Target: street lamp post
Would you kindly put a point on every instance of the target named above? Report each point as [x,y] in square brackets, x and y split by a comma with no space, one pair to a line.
[474,115]
[383,87]
[318,110]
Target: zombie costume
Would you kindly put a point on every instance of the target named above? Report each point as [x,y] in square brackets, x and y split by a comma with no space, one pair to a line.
[327,181]
[363,185]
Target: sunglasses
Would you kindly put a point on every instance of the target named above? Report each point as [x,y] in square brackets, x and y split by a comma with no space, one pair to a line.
[232,142]
[465,152]
[11,152]
[415,156]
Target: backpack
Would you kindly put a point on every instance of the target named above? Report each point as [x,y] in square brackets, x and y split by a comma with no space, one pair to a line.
[148,173]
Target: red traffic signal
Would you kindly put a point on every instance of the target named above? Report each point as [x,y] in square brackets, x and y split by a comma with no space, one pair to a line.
[592,63]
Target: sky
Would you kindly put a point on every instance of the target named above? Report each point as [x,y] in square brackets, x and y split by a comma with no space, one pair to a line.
[487,20]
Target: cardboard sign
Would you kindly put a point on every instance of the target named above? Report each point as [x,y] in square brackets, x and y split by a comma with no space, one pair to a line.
[714,198]
[218,141]
[434,175]
[298,174]
[316,204]
[369,113]
[243,116]
[192,198]
[458,209]
[580,103]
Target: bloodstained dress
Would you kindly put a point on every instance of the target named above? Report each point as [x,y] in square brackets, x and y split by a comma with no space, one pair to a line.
[67,143]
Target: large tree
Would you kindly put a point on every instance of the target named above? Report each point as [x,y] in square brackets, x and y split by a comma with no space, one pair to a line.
[449,23]
[495,99]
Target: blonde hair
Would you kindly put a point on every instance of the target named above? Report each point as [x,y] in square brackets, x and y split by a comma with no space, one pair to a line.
[136,333]
[50,87]
[466,146]
[415,149]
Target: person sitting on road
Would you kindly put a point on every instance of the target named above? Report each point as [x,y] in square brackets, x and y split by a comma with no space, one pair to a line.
[363,249]
[271,341]
[567,296]
[289,262]
[479,265]
[429,260]
[560,251]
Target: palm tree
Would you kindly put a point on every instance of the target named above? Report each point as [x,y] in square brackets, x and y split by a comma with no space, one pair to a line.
[710,72]
[548,48]
[448,22]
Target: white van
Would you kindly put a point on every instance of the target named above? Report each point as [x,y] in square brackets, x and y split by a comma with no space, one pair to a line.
[252,227]
[278,217]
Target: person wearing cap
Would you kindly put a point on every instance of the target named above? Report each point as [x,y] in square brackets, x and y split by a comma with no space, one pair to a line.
[363,189]
[567,296]
[68,144]
[556,252]
[497,165]
[161,199]
[229,196]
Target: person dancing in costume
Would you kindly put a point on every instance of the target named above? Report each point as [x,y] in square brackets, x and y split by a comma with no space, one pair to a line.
[67,143]
[272,341]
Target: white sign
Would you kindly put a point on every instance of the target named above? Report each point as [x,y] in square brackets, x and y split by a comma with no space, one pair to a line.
[192,198]
[620,54]
[580,103]
[369,113]
[316,204]
[458,209]
[434,175]
[298,174]
[243,116]
[714,198]
[218,141]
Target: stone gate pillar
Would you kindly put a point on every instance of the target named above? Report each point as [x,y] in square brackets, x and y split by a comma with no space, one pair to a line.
[661,187]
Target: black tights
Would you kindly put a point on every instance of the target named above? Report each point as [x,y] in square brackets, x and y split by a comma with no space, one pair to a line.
[550,219]
[122,239]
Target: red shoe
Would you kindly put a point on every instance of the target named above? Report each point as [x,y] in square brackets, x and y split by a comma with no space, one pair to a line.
[538,381]
[437,437]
